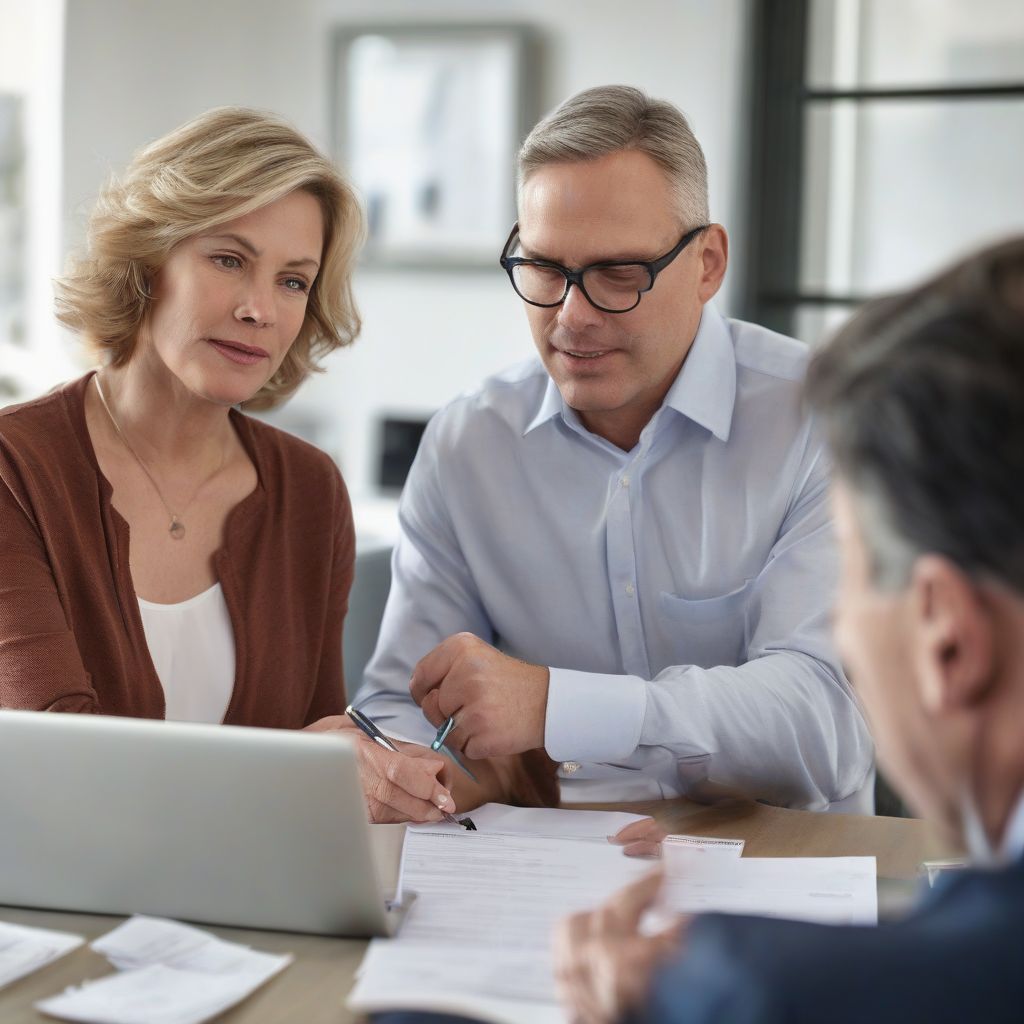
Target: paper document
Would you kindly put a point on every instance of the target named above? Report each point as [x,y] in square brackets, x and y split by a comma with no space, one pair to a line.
[24,950]
[481,925]
[504,890]
[829,890]
[477,939]
[170,973]
[706,844]
[545,821]
[472,981]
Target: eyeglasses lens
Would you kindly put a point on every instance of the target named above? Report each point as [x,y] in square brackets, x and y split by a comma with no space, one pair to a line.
[614,288]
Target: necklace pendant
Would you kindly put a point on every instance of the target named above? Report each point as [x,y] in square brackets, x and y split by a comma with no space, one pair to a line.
[176,529]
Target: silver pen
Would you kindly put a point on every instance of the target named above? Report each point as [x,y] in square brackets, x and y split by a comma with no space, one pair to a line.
[367,725]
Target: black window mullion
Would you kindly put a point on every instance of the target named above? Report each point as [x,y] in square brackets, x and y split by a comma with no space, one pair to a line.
[1008,90]
[776,166]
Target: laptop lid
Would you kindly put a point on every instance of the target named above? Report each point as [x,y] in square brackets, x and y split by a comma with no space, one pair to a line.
[256,828]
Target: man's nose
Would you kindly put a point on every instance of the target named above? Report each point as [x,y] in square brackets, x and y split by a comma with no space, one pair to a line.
[576,311]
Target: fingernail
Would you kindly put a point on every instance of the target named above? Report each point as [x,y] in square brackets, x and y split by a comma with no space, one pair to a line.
[446,803]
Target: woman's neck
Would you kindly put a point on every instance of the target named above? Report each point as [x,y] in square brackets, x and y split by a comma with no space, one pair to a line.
[162,421]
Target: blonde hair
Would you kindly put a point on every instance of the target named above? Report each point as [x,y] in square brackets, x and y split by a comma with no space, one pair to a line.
[609,118]
[219,166]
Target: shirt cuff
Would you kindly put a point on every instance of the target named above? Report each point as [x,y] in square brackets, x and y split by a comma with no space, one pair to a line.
[593,717]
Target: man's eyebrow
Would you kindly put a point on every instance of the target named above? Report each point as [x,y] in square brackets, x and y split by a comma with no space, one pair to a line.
[242,242]
[631,257]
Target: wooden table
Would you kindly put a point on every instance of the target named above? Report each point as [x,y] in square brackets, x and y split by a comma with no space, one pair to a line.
[314,987]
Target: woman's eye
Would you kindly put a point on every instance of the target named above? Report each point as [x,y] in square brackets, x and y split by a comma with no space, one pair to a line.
[228,262]
[296,284]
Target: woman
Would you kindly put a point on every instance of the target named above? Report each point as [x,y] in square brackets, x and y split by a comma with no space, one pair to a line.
[162,554]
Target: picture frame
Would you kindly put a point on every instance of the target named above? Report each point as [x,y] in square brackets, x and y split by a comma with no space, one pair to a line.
[427,121]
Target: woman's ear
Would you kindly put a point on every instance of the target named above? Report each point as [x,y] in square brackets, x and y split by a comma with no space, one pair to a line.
[952,636]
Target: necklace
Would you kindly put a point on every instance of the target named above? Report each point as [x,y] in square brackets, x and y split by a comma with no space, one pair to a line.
[177,527]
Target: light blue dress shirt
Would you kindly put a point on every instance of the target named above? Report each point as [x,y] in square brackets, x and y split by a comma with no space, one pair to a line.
[679,592]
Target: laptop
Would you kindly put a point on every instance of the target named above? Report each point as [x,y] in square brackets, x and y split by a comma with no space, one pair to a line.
[256,828]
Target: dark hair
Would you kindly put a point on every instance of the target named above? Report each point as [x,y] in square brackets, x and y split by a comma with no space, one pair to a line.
[922,397]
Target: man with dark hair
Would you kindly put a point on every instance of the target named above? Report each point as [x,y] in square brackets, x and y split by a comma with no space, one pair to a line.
[922,396]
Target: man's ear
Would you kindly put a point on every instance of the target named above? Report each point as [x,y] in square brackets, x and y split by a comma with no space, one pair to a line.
[714,257]
[952,636]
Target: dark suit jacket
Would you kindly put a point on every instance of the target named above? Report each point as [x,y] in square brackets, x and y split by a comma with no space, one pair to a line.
[958,957]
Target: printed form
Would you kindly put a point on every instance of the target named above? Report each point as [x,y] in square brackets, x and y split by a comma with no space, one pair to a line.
[477,939]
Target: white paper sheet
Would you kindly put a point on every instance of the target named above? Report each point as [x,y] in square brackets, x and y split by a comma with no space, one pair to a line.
[433,977]
[143,941]
[830,890]
[555,822]
[24,950]
[482,888]
[707,844]
[170,973]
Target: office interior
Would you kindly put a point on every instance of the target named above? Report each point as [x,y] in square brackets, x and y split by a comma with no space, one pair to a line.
[853,146]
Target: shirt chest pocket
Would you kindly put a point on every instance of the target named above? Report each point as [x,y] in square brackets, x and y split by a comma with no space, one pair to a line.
[704,631]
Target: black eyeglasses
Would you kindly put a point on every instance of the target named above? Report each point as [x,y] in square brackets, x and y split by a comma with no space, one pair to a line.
[613,286]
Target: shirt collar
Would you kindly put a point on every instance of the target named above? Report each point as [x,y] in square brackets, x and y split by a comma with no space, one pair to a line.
[981,850]
[704,389]
[1013,837]
[551,405]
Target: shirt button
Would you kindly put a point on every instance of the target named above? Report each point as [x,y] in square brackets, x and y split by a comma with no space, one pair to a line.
[630,589]
[625,481]
[570,767]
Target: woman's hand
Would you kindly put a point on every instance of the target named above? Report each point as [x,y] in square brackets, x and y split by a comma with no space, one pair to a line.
[412,785]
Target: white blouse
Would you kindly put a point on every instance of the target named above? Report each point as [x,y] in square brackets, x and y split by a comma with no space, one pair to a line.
[192,646]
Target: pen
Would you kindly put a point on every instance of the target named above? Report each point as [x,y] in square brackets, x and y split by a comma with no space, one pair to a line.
[440,746]
[367,726]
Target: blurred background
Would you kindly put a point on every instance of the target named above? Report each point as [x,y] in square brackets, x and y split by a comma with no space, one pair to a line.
[853,146]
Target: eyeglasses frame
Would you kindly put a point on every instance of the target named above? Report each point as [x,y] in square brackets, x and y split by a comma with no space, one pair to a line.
[575,277]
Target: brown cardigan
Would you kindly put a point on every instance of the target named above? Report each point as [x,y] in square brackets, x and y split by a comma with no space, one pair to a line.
[71,636]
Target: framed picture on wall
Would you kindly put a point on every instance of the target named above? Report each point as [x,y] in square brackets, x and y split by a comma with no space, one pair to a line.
[427,122]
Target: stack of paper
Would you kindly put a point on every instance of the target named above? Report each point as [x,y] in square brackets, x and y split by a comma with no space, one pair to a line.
[477,939]
[24,950]
[170,973]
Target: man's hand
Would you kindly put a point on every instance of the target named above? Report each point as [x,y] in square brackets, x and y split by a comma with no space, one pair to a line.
[409,786]
[640,838]
[499,703]
[603,965]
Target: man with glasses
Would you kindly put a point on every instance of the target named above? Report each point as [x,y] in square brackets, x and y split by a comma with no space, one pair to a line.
[620,555]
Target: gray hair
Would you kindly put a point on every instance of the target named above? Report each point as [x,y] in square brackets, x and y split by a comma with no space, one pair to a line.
[609,118]
[922,396]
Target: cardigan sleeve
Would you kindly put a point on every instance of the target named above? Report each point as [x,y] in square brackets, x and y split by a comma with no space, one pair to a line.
[329,693]
[41,668]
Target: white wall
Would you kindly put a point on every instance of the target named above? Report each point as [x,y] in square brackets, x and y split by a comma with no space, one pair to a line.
[31,58]
[136,68]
